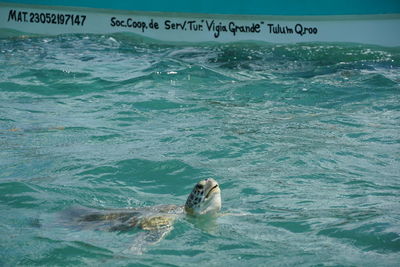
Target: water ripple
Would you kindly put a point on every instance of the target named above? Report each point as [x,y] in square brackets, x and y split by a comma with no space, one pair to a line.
[302,138]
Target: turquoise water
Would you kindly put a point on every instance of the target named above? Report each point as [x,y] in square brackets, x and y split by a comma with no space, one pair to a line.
[303,139]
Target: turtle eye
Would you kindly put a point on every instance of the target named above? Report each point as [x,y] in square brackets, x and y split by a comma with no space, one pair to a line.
[199,186]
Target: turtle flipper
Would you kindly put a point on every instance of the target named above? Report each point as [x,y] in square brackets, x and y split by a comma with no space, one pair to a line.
[155,229]
[147,238]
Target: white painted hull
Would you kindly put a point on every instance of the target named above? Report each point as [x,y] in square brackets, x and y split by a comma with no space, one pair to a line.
[196,28]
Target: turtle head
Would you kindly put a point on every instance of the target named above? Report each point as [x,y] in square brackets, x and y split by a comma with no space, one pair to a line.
[205,198]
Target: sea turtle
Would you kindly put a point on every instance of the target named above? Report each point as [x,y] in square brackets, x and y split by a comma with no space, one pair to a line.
[156,221]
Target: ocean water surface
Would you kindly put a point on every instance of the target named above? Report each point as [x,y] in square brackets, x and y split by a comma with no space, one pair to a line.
[304,140]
